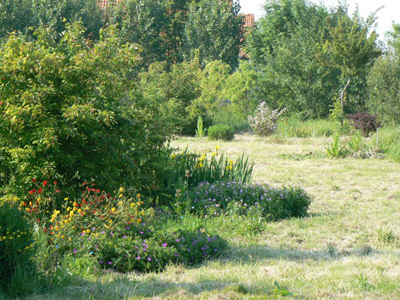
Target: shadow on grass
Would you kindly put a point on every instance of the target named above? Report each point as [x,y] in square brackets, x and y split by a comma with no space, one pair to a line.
[253,254]
[123,287]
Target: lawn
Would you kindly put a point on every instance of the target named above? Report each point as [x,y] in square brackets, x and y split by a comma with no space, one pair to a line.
[348,246]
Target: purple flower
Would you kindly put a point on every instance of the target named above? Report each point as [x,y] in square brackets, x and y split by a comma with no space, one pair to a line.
[215,250]
[127,227]
[101,262]
[89,238]
[111,233]
[141,232]
[176,254]
[177,240]
[109,262]
[75,250]
[194,244]
[82,233]
[164,245]
[103,232]
[124,236]
[202,248]
[138,257]
[149,258]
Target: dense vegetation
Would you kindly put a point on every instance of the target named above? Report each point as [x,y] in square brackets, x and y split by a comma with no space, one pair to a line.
[91,98]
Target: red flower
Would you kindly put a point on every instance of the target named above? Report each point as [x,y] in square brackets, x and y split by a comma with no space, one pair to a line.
[38,220]
[45,182]
[40,191]
[45,230]
[55,182]
[57,191]
[33,180]
[32,191]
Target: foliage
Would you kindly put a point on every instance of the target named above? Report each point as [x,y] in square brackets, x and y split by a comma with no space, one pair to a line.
[178,87]
[364,122]
[113,233]
[295,127]
[214,199]
[305,53]
[265,120]
[336,149]
[70,112]
[239,90]
[15,15]
[187,170]
[221,132]
[210,30]
[213,31]
[387,140]
[16,250]
[200,131]
[384,83]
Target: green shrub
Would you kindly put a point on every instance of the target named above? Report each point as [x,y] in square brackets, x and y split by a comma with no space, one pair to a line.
[17,272]
[72,113]
[221,132]
[237,198]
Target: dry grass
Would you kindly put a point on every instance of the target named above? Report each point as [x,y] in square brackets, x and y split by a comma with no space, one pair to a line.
[348,248]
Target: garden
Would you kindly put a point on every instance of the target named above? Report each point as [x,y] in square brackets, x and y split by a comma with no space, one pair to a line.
[137,164]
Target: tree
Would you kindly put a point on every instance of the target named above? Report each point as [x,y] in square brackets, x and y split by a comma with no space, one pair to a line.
[15,15]
[214,31]
[383,81]
[239,90]
[306,53]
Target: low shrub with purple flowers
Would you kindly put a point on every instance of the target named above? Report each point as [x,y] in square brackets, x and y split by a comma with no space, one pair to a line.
[234,197]
[102,231]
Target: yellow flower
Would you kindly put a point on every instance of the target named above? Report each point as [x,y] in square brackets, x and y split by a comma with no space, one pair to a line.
[79,210]
[200,165]
[121,189]
[173,156]
[217,148]
[230,162]
[88,231]
[138,195]
[66,199]
[139,220]
[213,154]
[68,208]
[113,209]
[120,196]
[75,209]
[71,213]
[120,202]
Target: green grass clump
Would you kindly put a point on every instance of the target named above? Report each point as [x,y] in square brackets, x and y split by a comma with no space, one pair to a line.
[387,139]
[221,132]
[294,127]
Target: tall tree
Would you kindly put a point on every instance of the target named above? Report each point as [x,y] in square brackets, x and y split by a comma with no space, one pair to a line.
[214,30]
[305,52]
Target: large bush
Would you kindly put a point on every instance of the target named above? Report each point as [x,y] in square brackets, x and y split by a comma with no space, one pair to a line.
[70,112]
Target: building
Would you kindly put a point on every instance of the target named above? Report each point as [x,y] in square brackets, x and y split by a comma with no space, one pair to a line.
[249,21]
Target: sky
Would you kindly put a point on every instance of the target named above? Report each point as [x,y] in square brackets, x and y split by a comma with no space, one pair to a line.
[390,11]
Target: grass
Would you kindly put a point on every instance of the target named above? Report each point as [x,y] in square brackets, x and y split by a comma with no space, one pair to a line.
[347,248]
